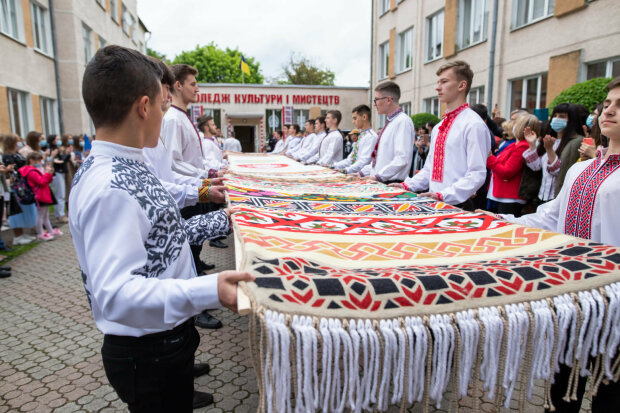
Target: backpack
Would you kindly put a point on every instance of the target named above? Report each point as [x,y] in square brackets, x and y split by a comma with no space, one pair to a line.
[22,189]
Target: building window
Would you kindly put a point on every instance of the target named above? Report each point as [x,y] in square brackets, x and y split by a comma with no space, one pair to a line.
[476,95]
[529,11]
[272,121]
[431,105]
[529,92]
[101,3]
[49,116]
[127,20]
[381,121]
[405,50]
[434,36]
[20,112]
[384,59]
[114,9]
[406,108]
[606,68]
[473,22]
[384,6]
[88,39]
[134,30]
[102,42]
[300,116]
[11,18]
[40,28]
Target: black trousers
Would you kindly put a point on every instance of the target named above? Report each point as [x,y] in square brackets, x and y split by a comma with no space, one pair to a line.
[513,208]
[153,373]
[467,205]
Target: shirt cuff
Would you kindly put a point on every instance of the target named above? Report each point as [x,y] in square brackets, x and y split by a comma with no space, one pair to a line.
[404,185]
[203,292]
[378,178]
[439,196]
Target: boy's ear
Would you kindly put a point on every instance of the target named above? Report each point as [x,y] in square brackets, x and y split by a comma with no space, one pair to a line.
[143,106]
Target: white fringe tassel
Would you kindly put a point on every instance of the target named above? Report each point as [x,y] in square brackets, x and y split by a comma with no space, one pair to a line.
[368,365]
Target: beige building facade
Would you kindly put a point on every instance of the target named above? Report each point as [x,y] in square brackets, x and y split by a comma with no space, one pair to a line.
[252,112]
[45,46]
[541,47]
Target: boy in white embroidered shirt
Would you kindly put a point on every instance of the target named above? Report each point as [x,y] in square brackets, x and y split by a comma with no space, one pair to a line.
[132,245]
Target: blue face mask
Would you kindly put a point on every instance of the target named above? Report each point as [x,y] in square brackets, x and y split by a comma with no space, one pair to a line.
[70,142]
[558,124]
[43,144]
[38,166]
[590,121]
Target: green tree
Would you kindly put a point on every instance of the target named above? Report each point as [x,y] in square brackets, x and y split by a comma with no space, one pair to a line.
[157,55]
[588,93]
[216,65]
[300,71]
[421,119]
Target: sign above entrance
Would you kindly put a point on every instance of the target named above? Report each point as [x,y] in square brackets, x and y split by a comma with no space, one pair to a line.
[261,99]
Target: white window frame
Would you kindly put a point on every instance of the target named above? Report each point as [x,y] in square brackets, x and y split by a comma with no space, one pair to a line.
[88,40]
[381,119]
[25,112]
[479,9]
[134,30]
[609,63]
[401,48]
[406,106]
[432,105]
[114,9]
[126,20]
[12,19]
[530,19]
[384,7]
[41,28]
[477,93]
[524,90]
[49,116]
[101,3]
[384,59]
[102,42]
[434,31]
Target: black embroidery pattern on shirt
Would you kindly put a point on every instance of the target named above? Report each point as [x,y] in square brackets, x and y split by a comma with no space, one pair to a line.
[207,226]
[167,235]
[82,169]
[84,278]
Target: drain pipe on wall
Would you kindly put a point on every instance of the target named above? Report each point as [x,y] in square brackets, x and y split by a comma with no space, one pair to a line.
[61,123]
[492,58]
[372,36]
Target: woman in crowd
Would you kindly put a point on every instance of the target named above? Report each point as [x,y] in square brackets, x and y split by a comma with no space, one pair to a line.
[566,123]
[507,168]
[593,130]
[21,216]
[60,160]
[39,179]
[66,146]
[34,142]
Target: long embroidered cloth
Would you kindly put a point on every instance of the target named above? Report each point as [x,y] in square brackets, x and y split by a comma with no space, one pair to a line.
[367,295]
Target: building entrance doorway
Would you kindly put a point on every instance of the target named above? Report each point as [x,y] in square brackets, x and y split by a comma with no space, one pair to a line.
[245,134]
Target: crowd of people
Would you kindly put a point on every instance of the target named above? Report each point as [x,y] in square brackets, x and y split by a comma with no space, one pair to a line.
[152,182]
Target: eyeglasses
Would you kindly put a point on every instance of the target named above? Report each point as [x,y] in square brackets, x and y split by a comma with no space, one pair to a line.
[376,99]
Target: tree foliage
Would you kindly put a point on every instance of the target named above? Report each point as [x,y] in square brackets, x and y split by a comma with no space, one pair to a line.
[300,71]
[216,65]
[588,93]
[421,119]
[157,55]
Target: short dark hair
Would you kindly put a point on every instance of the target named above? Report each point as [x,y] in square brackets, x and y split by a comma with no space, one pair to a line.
[613,84]
[321,120]
[114,79]
[296,127]
[362,110]
[462,71]
[182,70]
[311,121]
[389,88]
[36,155]
[336,114]
[202,122]
[167,77]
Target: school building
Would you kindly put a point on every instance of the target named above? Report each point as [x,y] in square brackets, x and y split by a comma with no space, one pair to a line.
[45,46]
[523,52]
[252,112]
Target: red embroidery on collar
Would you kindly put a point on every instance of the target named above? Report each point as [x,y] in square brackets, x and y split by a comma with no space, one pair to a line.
[439,156]
[580,209]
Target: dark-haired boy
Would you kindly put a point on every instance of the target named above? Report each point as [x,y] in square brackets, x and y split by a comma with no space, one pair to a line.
[393,152]
[456,165]
[361,152]
[330,148]
[320,134]
[132,244]
[306,141]
[293,141]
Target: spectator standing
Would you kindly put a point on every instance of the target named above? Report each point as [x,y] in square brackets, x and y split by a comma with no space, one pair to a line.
[566,122]
[232,144]
[21,216]
[60,160]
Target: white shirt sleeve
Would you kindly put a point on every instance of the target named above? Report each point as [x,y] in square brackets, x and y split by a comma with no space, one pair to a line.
[478,147]
[403,152]
[420,181]
[545,217]
[172,133]
[184,195]
[364,153]
[113,255]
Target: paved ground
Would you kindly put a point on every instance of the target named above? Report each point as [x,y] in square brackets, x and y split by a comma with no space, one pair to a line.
[49,346]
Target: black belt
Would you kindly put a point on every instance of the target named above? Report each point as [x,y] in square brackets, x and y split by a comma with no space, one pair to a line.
[149,338]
